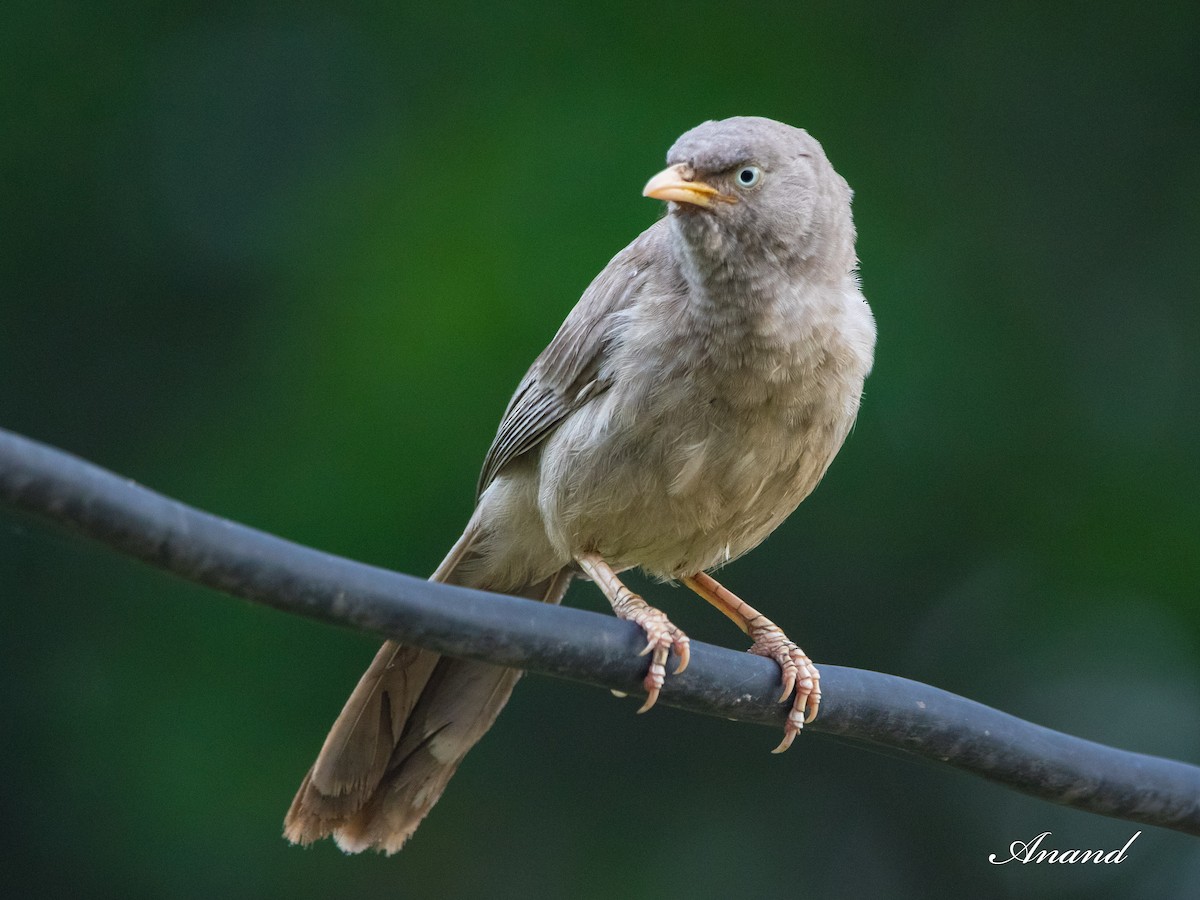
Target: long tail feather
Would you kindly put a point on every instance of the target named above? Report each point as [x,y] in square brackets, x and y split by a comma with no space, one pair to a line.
[402,734]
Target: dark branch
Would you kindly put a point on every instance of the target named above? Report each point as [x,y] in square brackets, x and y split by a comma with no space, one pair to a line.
[570,643]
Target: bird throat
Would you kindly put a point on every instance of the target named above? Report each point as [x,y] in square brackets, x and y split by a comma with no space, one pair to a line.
[731,284]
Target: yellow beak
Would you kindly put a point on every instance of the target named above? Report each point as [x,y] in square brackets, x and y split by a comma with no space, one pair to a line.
[669,184]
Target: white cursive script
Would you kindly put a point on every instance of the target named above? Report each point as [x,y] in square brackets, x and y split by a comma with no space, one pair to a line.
[1022,852]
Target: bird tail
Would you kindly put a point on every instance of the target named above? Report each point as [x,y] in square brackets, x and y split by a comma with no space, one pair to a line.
[403,732]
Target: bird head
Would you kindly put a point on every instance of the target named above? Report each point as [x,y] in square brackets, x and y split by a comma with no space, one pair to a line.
[758,191]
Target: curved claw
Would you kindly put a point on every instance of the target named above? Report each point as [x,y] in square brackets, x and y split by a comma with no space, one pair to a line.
[656,677]
[801,680]
[683,648]
[661,638]
[789,680]
[794,725]
[814,703]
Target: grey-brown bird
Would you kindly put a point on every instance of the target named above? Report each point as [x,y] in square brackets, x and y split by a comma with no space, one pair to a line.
[694,396]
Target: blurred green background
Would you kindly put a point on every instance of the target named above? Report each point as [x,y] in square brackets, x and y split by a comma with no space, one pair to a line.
[286,262]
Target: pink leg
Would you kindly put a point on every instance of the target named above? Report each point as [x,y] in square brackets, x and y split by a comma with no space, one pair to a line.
[799,673]
[661,635]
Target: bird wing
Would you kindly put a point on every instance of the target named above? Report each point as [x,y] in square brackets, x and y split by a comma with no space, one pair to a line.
[568,373]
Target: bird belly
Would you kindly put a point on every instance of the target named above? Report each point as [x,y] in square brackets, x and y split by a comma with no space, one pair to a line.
[686,476]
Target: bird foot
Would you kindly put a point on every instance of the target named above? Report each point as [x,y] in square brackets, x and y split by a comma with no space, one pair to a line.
[661,638]
[799,675]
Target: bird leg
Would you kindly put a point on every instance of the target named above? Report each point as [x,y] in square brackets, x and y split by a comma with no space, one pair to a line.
[799,673]
[661,635]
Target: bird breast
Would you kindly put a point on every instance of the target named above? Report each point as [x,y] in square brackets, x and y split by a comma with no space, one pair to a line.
[711,432]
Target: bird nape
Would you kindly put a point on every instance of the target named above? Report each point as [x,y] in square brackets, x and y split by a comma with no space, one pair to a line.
[691,400]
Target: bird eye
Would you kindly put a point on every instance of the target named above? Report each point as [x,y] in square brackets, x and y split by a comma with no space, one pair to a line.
[749,176]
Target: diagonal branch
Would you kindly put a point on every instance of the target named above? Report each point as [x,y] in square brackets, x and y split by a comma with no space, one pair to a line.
[584,646]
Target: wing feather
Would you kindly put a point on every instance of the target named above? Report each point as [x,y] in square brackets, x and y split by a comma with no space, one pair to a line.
[569,372]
